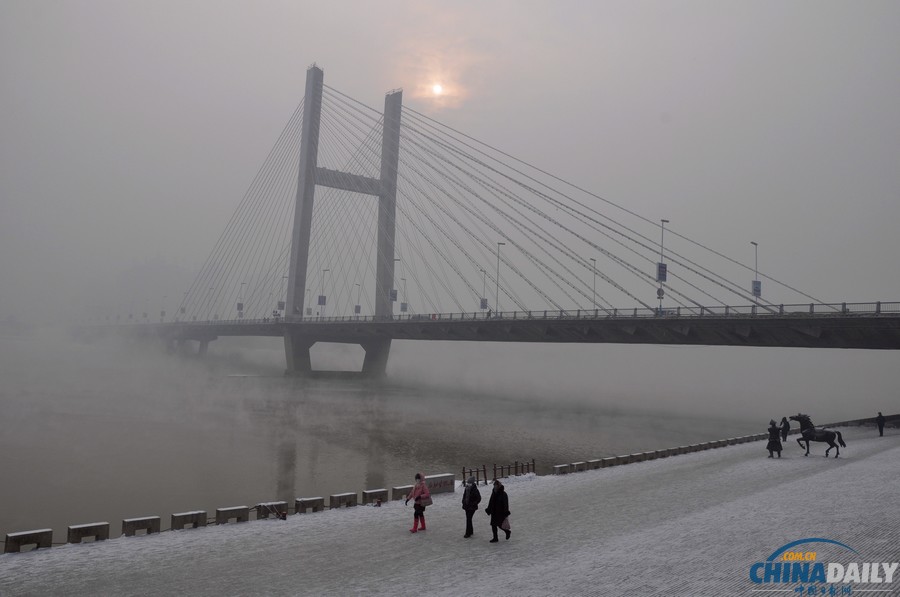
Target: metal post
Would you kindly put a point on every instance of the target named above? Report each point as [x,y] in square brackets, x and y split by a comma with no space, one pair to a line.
[497,297]
[403,300]
[594,267]
[483,287]
[755,287]
[324,271]
[662,236]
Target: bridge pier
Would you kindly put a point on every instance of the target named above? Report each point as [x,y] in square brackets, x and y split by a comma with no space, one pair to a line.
[296,352]
[297,346]
[375,362]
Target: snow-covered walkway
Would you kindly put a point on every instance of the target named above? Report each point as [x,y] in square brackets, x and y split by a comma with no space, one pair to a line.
[687,525]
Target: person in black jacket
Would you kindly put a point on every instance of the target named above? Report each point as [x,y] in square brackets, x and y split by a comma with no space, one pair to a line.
[774,444]
[498,509]
[785,428]
[880,421]
[470,500]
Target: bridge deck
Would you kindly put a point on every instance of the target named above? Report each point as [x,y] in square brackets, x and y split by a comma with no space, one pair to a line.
[824,329]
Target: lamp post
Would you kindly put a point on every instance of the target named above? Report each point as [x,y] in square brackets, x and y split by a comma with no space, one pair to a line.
[661,272]
[483,302]
[357,308]
[594,268]
[322,299]
[393,290]
[497,297]
[756,287]
[403,303]
[308,306]
[240,305]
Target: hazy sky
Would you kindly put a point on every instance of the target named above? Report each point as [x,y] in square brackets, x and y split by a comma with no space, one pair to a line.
[129,131]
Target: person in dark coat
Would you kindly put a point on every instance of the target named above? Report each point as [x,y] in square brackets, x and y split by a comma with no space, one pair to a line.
[498,509]
[470,500]
[785,428]
[774,444]
[879,420]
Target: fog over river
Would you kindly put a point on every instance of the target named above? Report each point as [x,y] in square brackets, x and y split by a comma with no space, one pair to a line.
[113,430]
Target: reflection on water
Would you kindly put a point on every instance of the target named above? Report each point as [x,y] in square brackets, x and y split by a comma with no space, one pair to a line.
[106,432]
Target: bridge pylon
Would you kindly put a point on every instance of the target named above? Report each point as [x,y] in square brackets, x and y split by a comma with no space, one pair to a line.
[296,342]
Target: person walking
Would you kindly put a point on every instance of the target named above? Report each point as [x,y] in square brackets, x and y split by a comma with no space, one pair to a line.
[470,500]
[421,498]
[879,420]
[774,444]
[785,428]
[498,510]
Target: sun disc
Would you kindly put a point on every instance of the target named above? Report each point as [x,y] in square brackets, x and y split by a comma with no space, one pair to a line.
[437,88]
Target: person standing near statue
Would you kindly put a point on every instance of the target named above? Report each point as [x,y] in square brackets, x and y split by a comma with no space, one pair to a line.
[470,500]
[774,444]
[785,428]
[879,420]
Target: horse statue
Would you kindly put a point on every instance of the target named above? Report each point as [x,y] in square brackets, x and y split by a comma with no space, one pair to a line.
[809,433]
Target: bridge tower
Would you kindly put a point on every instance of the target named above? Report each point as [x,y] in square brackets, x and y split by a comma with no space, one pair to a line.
[297,342]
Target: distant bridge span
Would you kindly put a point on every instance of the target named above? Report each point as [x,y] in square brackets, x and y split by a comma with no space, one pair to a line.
[870,326]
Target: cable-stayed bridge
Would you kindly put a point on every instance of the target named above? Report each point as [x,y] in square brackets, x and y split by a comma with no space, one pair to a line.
[364,227]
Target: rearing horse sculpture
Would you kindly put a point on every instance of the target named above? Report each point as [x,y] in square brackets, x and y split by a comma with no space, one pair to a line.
[809,433]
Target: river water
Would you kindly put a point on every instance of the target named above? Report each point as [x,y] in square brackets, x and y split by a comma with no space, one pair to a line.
[113,430]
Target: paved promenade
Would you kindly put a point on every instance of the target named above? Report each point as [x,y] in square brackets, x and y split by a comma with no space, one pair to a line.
[687,525]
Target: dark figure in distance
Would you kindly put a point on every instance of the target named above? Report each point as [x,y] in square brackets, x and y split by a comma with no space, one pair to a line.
[785,428]
[774,444]
[879,420]
[498,509]
[470,500]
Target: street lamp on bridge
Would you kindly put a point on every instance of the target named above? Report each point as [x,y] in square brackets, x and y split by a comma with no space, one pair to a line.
[661,273]
[357,308]
[497,297]
[757,285]
[483,299]
[393,292]
[403,304]
[322,299]
[594,268]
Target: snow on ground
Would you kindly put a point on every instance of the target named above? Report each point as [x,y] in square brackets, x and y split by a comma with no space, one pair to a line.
[687,525]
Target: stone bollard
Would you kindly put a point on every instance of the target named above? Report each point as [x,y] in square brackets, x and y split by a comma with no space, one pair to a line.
[441,483]
[579,467]
[277,509]
[196,518]
[594,464]
[561,469]
[374,496]
[98,530]
[130,526]
[238,513]
[610,461]
[40,537]
[316,504]
[400,493]
[338,500]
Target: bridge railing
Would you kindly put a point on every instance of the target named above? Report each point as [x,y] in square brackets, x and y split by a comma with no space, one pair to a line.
[718,311]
